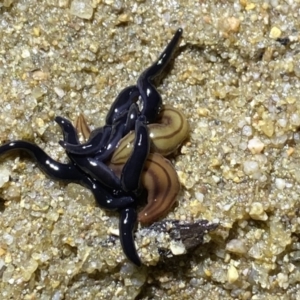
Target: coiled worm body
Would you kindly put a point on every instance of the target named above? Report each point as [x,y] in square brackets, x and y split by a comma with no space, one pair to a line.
[161,181]
[166,135]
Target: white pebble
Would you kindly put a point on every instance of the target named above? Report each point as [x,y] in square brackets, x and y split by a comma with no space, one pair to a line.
[236,246]
[280,183]
[255,145]
[59,92]
[199,196]
[282,122]
[114,231]
[283,280]
[4,176]
[295,119]
[216,179]
[250,167]
[82,9]
[25,53]
[247,130]
[57,295]
[8,239]
[177,248]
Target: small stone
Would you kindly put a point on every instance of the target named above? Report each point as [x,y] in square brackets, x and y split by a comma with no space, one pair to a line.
[275,33]
[207,272]
[4,176]
[231,24]
[280,183]
[279,140]
[114,231]
[291,100]
[40,126]
[199,196]
[40,75]
[250,167]
[215,162]
[59,92]
[268,54]
[247,130]
[63,3]
[37,92]
[255,145]
[295,119]
[257,212]
[203,112]
[177,248]
[2,252]
[185,180]
[232,274]
[283,280]
[36,31]
[28,268]
[216,179]
[57,295]
[40,122]
[82,9]
[124,18]
[8,258]
[267,127]
[290,151]
[250,6]
[8,239]
[236,246]
[25,53]
[13,192]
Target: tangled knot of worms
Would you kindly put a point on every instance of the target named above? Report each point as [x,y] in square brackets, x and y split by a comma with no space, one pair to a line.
[125,157]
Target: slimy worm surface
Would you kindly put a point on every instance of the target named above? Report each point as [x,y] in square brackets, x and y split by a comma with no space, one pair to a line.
[126,156]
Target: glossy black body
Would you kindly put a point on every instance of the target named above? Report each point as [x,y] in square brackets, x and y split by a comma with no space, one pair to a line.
[69,173]
[151,102]
[132,170]
[128,218]
[88,161]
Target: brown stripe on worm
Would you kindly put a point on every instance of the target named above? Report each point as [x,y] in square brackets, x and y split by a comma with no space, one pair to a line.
[82,127]
[166,135]
[161,181]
